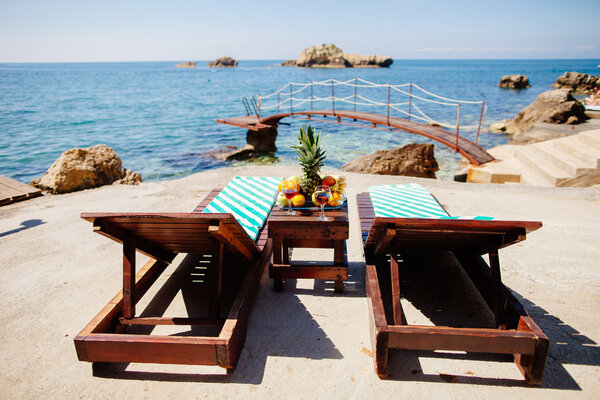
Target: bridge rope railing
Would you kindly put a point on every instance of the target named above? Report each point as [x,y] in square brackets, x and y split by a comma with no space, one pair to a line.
[289,97]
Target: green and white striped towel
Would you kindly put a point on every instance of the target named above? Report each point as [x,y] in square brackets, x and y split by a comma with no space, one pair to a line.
[249,199]
[410,200]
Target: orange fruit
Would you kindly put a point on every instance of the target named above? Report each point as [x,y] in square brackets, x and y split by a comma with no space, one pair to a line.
[328,180]
[336,199]
[280,187]
[298,200]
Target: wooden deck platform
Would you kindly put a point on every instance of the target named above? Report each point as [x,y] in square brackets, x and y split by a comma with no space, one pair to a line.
[12,191]
[470,150]
[249,122]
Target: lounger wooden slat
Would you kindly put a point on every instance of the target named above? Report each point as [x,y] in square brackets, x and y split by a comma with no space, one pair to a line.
[161,236]
[516,332]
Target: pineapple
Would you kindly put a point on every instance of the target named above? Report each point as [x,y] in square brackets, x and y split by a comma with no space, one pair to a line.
[310,155]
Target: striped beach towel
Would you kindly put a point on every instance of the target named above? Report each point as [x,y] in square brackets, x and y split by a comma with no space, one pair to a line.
[410,200]
[249,199]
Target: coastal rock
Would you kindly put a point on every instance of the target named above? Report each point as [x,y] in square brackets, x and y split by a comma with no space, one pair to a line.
[257,143]
[554,106]
[85,168]
[331,56]
[415,159]
[289,63]
[186,64]
[263,140]
[223,62]
[499,127]
[578,82]
[368,60]
[514,82]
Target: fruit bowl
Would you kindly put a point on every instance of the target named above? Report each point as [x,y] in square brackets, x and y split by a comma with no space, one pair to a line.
[303,201]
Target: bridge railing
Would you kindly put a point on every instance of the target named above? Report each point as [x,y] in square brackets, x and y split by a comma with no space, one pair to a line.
[296,97]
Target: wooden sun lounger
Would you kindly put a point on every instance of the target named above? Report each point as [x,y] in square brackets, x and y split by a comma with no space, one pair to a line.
[516,332]
[162,236]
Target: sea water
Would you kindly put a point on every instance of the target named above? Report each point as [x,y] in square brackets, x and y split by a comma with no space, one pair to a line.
[161,120]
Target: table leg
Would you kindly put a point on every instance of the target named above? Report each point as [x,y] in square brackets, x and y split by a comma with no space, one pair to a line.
[286,251]
[339,258]
[277,259]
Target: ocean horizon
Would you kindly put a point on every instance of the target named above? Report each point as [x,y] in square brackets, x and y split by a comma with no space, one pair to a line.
[161,120]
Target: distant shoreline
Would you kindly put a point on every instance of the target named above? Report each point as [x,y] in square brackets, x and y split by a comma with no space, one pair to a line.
[279,60]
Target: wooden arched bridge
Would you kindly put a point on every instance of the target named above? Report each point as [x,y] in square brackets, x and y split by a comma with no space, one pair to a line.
[412,119]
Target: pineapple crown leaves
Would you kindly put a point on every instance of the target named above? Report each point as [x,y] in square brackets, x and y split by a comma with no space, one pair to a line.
[309,148]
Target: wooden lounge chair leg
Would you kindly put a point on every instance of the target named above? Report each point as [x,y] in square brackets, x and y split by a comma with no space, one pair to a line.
[395,280]
[216,271]
[532,366]
[128,277]
[496,289]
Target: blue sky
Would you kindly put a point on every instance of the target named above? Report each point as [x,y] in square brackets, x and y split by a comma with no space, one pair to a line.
[134,30]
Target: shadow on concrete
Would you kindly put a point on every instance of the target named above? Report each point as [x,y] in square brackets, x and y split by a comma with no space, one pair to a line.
[30,223]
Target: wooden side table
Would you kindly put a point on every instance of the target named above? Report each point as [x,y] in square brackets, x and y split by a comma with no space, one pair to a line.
[303,230]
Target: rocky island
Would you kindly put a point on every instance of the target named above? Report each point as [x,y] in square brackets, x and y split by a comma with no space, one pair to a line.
[186,64]
[331,56]
[514,82]
[223,62]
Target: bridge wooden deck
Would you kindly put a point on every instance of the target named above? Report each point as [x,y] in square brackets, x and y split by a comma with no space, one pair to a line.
[12,191]
[471,151]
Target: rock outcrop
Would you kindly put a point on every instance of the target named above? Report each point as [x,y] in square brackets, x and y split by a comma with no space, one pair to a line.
[514,82]
[414,159]
[331,56]
[289,63]
[578,82]
[368,60]
[223,62]
[85,168]
[554,106]
[186,64]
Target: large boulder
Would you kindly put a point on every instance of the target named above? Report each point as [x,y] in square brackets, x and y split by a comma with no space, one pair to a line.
[331,56]
[514,82]
[415,159]
[85,168]
[186,64]
[223,62]
[554,106]
[578,82]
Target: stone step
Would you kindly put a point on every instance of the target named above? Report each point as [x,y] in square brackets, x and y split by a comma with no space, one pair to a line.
[540,165]
[563,159]
[591,138]
[575,147]
[495,172]
[529,177]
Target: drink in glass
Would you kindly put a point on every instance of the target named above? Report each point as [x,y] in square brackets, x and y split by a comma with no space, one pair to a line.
[322,195]
[290,189]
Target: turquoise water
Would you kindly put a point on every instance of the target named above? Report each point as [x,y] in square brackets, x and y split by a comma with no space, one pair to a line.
[161,120]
